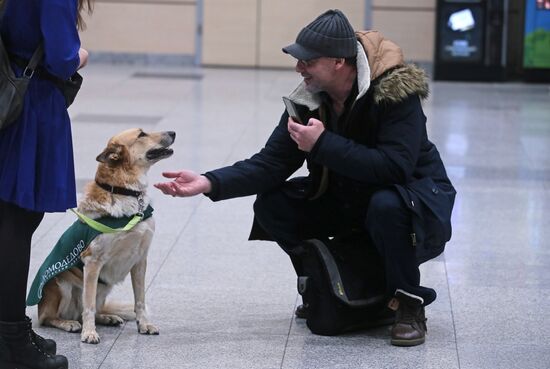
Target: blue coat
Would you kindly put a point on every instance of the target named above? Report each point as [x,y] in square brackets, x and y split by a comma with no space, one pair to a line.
[36,154]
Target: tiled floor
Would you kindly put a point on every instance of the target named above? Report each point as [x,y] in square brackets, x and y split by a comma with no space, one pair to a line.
[223,302]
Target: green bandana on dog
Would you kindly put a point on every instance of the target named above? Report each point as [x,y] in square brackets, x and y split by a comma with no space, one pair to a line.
[66,252]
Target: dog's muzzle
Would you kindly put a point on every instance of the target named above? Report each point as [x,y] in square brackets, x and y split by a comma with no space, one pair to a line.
[168,139]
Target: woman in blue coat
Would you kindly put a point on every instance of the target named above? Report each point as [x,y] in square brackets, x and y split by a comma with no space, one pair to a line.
[36,161]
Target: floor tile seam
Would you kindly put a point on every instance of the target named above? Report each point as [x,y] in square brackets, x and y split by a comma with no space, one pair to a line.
[208,333]
[541,343]
[202,335]
[113,344]
[214,333]
[510,288]
[452,312]
[289,331]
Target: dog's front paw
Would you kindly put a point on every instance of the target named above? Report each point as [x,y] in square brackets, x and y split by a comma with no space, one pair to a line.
[71,326]
[89,337]
[146,328]
[109,319]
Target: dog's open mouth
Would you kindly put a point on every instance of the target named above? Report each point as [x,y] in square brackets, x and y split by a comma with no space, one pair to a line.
[161,153]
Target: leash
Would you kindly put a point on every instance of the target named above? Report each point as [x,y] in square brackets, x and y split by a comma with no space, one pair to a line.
[106,229]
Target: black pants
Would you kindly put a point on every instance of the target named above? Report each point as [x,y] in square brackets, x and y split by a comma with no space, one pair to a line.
[385,219]
[17,226]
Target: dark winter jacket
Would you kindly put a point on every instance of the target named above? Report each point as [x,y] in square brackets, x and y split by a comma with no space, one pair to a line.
[382,144]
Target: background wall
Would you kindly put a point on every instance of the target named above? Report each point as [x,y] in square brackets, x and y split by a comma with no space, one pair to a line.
[410,23]
[247,33]
[252,32]
[141,26]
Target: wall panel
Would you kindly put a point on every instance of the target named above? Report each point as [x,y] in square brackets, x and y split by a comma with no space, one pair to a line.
[248,33]
[230,32]
[141,27]
[281,21]
[412,30]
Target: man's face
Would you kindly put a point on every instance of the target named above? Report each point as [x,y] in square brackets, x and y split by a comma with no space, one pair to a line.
[318,73]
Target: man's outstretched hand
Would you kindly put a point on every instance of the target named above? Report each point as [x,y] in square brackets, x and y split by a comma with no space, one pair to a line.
[185,183]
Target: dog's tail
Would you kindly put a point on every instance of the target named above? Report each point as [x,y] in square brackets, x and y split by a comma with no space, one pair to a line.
[125,311]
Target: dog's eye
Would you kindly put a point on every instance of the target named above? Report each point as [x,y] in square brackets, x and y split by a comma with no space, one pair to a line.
[142,134]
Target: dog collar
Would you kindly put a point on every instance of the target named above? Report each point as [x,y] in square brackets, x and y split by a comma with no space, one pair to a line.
[119,190]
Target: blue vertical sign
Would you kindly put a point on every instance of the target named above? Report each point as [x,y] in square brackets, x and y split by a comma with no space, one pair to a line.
[536,50]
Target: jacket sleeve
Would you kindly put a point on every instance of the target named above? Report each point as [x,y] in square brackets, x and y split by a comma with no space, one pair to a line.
[263,171]
[392,160]
[61,41]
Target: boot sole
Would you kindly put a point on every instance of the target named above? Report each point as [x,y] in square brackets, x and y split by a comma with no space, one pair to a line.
[408,343]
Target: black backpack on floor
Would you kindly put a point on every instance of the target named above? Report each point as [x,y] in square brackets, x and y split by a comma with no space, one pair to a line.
[343,285]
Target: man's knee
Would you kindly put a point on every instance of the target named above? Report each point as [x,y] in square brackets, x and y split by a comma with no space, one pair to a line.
[385,206]
[386,202]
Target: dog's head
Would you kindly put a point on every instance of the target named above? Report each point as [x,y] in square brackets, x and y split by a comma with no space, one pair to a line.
[135,148]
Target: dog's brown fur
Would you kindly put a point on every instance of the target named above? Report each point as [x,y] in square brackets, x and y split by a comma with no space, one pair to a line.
[74,296]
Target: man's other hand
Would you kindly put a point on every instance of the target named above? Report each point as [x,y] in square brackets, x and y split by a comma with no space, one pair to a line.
[305,136]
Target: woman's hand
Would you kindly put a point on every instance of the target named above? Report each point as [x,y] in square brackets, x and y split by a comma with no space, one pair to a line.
[83,54]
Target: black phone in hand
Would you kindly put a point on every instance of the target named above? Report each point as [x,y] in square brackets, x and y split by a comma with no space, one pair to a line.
[292,110]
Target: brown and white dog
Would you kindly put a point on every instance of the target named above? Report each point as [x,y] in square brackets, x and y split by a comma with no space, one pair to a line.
[75,296]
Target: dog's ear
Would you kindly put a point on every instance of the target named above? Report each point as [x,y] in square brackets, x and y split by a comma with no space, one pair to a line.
[113,155]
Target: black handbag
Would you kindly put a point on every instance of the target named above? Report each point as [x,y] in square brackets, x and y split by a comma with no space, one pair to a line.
[342,284]
[69,87]
[12,88]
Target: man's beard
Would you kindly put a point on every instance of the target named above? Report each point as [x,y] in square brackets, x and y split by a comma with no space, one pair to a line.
[314,88]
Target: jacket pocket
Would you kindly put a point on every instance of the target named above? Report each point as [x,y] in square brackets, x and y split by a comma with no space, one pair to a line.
[431,215]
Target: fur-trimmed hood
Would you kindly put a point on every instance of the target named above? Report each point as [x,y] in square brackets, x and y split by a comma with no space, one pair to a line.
[380,66]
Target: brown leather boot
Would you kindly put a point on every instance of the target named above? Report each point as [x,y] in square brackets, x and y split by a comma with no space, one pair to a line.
[19,350]
[410,321]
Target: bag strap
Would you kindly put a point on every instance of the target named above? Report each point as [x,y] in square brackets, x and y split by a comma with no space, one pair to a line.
[35,59]
[336,280]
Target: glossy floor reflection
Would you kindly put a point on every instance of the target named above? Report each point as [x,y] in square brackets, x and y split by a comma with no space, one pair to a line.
[221,301]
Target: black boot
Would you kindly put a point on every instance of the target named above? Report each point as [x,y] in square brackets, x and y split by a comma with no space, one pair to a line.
[44,344]
[18,350]
[410,321]
[301,311]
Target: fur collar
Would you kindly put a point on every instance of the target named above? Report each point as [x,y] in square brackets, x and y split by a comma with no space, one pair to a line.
[400,82]
[383,71]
